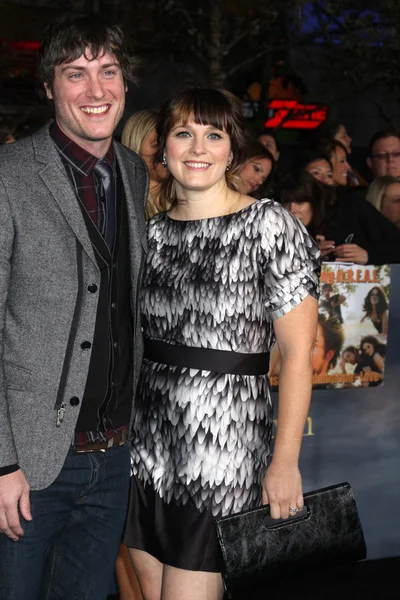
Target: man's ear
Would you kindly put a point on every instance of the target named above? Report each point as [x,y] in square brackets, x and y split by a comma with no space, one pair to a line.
[369,162]
[49,93]
[329,356]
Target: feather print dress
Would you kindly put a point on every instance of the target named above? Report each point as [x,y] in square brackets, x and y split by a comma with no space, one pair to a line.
[201,438]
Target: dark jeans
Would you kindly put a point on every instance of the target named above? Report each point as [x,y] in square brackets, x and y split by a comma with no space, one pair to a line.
[69,548]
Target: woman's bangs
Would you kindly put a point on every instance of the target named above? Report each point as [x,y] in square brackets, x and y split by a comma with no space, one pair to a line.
[203,109]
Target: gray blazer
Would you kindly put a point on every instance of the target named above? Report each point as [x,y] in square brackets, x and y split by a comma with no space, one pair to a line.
[46,265]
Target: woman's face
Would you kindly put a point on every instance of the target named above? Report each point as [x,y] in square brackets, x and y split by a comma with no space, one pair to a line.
[302,210]
[368,348]
[340,166]
[343,137]
[391,203]
[349,357]
[270,144]
[254,172]
[321,170]
[147,152]
[374,296]
[197,156]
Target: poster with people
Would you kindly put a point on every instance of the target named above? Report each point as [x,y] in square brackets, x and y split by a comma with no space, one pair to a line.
[350,348]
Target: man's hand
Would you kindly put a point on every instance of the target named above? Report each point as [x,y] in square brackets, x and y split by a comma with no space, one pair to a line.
[351,253]
[14,494]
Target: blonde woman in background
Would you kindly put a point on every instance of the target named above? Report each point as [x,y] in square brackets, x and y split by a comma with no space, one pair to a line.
[384,194]
[139,134]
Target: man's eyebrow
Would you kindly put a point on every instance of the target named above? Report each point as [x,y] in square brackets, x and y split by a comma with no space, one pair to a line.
[76,68]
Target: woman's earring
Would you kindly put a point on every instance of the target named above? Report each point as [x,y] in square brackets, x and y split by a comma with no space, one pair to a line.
[164,161]
[228,166]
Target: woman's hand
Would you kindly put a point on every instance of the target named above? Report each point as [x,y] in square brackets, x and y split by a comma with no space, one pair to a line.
[326,246]
[282,489]
[351,253]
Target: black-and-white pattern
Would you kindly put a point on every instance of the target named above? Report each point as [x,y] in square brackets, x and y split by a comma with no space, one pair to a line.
[215,283]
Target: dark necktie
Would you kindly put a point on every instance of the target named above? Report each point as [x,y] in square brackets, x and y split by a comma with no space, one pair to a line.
[104,172]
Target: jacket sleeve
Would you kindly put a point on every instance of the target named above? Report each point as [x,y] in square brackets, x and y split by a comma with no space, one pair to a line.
[383,236]
[8,453]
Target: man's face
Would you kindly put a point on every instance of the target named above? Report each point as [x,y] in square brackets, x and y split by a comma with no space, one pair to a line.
[385,157]
[327,292]
[89,100]
[321,358]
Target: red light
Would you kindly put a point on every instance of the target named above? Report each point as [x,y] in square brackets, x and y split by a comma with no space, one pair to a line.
[291,114]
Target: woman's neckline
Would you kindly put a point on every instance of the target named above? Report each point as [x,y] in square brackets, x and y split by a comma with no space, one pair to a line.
[236,212]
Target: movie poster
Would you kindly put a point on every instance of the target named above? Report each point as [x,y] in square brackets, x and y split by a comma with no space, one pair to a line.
[350,348]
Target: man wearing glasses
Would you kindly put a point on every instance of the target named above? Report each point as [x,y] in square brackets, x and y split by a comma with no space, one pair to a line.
[384,154]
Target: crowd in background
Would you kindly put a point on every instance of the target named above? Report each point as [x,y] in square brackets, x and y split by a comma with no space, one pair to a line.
[354,216]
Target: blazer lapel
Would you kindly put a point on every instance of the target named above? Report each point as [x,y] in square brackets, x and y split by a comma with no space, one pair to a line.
[56,180]
[137,226]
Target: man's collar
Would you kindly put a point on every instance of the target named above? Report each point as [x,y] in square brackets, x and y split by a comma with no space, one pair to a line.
[79,158]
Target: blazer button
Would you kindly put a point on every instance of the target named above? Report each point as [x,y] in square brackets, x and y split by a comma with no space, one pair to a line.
[74,401]
[86,345]
[92,288]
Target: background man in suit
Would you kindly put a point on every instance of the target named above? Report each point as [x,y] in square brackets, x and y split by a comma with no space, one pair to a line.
[72,241]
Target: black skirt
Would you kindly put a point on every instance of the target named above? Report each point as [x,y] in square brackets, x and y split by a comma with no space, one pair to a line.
[177,535]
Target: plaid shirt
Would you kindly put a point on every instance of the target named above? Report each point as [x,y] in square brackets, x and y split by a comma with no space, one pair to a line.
[79,165]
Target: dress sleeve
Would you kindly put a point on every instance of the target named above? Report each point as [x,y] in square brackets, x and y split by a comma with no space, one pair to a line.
[290,262]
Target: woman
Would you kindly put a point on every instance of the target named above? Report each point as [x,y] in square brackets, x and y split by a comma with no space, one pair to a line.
[268,139]
[346,229]
[224,276]
[337,155]
[139,134]
[335,130]
[384,194]
[351,360]
[320,167]
[300,192]
[372,354]
[376,310]
[256,169]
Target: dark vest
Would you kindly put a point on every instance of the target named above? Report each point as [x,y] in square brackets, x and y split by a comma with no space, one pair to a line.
[107,400]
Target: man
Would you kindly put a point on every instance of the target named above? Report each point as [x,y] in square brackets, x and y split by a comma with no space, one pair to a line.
[72,237]
[331,304]
[384,154]
[328,344]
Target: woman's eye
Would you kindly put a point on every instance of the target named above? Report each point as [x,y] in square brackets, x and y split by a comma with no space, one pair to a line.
[257,169]
[183,134]
[215,136]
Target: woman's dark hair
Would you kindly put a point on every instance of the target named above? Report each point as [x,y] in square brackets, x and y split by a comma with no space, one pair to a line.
[378,346]
[300,186]
[71,36]
[272,134]
[309,156]
[380,307]
[328,147]
[354,351]
[327,130]
[253,151]
[206,106]
[333,336]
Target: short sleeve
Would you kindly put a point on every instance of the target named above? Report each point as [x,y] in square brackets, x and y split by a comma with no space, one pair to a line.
[290,261]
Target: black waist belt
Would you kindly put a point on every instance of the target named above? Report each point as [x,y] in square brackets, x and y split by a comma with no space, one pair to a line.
[218,361]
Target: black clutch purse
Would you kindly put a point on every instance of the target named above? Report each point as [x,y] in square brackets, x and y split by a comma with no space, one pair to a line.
[257,549]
